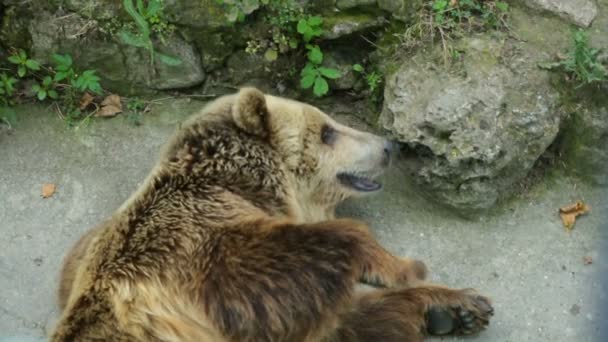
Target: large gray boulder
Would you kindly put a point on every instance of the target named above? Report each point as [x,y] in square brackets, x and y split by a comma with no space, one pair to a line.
[579,12]
[477,129]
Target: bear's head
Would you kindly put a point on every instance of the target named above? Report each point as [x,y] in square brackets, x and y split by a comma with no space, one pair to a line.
[327,161]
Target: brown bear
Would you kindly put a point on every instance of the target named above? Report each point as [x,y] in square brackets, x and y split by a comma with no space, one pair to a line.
[232,237]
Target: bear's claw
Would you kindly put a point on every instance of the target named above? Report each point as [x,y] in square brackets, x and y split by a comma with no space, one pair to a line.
[469,317]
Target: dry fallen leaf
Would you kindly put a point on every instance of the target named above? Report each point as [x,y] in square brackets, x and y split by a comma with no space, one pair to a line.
[110,106]
[569,213]
[453,3]
[587,260]
[86,100]
[48,189]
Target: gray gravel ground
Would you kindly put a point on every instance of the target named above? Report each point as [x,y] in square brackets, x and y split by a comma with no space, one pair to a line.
[519,254]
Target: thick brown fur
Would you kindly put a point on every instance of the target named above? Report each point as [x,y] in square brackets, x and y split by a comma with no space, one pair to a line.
[232,237]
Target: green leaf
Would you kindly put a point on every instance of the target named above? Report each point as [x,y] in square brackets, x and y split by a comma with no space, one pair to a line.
[47,81]
[440,5]
[14,59]
[60,76]
[133,40]
[21,71]
[303,26]
[503,6]
[315,55]
[321,87]
[309,69]
[358,67]
[315,20]
[36,88]
[32,64]
[96,88]
[64,61]
[141,22]
[53,94]
[169,60]
[307,81]
[330,73]
[22,55]
[42,94]
[154,6]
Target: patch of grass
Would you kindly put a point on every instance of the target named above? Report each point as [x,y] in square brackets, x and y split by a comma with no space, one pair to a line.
[447,20]
[136,109]
[581,64]
[373,79]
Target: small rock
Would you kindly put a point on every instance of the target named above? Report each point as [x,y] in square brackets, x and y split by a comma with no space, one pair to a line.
[587,260]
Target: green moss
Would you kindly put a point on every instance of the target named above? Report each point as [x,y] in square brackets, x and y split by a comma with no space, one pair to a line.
[14,31]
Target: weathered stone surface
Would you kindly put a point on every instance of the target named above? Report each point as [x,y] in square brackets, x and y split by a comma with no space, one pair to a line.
[579,12]
[196,13]
[346,4]
[97,9]
[342,25]
[187,74]
[400,9]
[477,132]
[584,136]
[342,59]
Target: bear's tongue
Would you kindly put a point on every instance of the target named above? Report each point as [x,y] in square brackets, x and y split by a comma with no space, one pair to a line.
[359,183]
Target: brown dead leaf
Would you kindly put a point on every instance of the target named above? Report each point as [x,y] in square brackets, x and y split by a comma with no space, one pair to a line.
[48,189]
[569,213]
[110,106]
[453,3]
[86,100]
[587,260]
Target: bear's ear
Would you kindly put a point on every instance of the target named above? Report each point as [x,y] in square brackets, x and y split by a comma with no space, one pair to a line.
[250,112]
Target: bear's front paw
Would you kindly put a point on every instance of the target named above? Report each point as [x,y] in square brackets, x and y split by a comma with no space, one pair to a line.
[470,316]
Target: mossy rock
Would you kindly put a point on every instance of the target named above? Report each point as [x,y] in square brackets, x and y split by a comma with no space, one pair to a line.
[14,31]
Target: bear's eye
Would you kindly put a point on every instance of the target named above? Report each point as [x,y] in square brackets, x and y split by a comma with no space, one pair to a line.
[328,135]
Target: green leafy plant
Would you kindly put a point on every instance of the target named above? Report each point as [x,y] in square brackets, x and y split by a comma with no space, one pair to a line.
[581,64]
[310,27]
[24,64]
[7,88]
[282,17]
[373,80]
[136,108]
[314,74]
[44,89]
[60,82]
[141,14]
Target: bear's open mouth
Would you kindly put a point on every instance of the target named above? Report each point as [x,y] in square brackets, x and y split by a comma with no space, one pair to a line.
[359,183]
